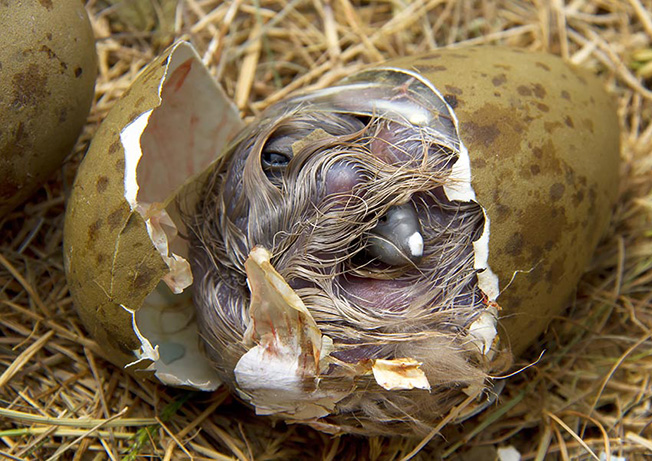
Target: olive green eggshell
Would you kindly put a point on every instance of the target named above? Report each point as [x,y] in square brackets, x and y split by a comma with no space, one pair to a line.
[110,259]
[543,140]
[47,78]
[120,229]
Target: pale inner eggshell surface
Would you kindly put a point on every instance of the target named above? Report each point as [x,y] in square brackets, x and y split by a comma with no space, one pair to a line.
[166,129]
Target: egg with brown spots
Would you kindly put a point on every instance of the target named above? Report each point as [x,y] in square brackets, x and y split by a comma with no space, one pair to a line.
[47,77]
[360,258]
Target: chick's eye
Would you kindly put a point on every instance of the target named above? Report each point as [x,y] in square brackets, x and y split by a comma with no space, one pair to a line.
[276,155]
[274,160]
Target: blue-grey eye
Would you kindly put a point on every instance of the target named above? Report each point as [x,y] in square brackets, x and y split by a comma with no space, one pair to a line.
[272,160]
[276,155]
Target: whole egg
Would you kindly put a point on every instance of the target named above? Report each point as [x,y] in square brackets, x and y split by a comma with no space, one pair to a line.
[47,79]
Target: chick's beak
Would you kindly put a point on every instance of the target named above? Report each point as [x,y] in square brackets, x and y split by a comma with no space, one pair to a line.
[397,239]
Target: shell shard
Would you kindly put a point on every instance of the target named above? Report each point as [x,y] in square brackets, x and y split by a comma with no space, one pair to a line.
[400,374]
[279,323]
[166,327]
[483,330]
[279,374]
[124,258]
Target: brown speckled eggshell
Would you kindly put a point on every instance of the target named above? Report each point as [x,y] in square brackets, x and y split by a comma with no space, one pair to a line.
[110,259]
[543,139]
[113,219]
[47,77]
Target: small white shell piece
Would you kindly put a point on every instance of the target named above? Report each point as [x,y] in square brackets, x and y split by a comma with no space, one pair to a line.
[400,374]
[483,330]
[279,374]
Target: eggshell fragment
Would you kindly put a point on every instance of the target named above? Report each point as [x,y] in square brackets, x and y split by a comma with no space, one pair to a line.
[123,258]
[400,374]
[288,351]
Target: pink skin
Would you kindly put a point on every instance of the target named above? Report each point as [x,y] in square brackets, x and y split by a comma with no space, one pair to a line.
[383,145]
[340,183]
[341,179]
[376,294]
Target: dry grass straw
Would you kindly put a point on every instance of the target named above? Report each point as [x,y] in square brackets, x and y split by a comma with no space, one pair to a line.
[590,396]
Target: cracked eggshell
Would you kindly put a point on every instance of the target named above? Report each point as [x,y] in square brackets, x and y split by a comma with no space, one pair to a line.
[543,141]
[126,267]
[47,79]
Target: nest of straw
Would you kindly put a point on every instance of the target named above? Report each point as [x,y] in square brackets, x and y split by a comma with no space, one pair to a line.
[589,397]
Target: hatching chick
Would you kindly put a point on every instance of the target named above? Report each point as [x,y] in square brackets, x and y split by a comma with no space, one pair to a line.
[349,198]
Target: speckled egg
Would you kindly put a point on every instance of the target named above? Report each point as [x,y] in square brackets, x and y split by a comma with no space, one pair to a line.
[47,77]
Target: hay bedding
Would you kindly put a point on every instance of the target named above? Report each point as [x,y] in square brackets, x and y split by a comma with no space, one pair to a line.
[590,395]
